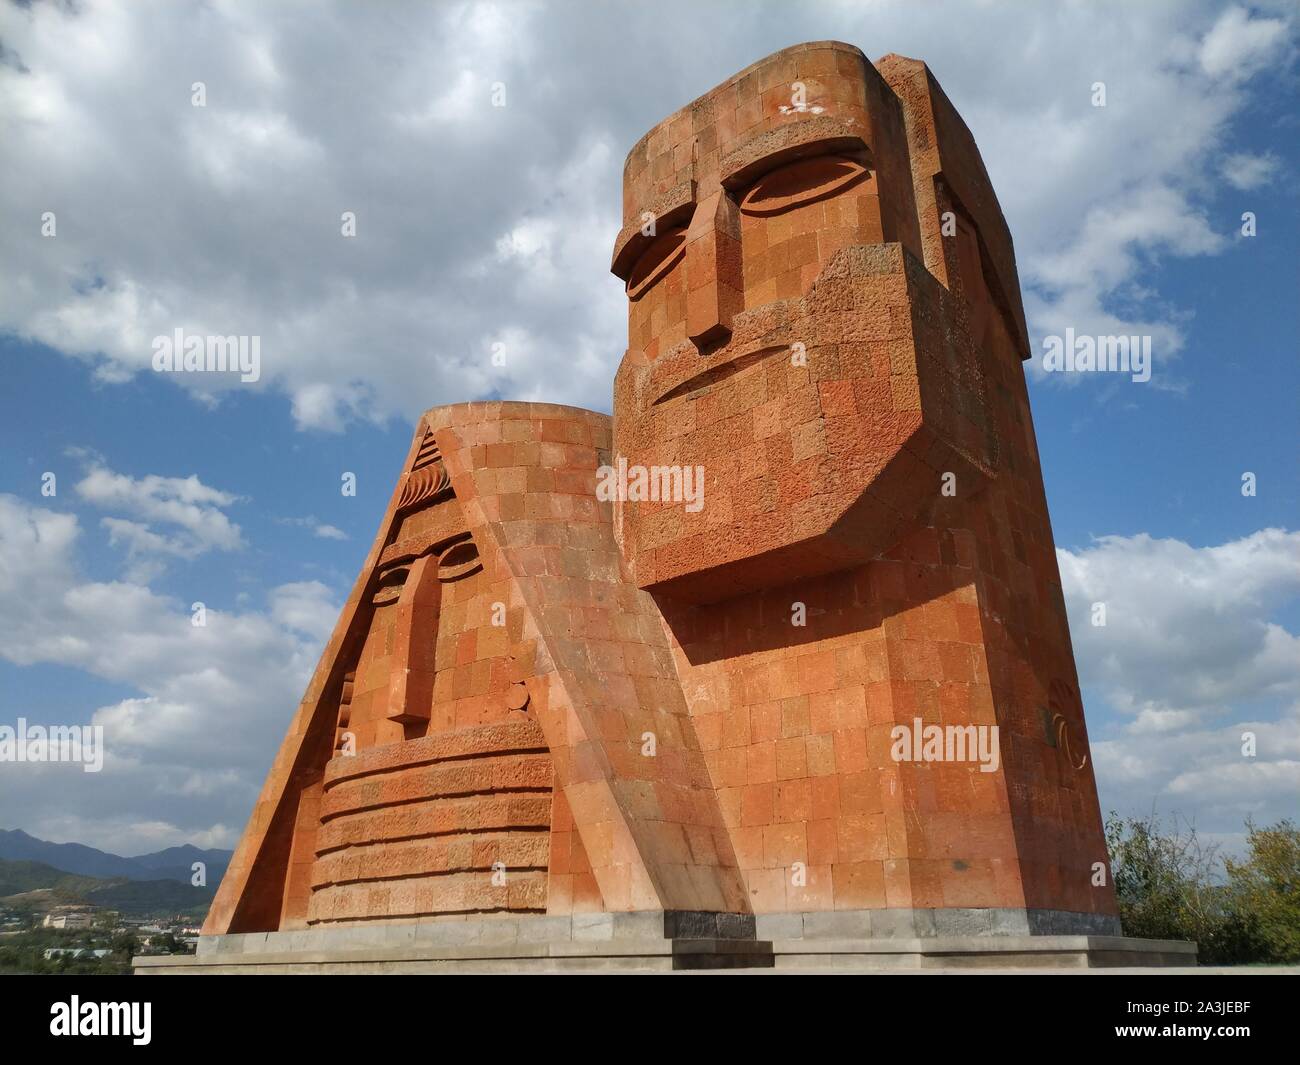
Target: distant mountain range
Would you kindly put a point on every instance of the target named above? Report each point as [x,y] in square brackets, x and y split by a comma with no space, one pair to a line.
[26,885]
[174,863]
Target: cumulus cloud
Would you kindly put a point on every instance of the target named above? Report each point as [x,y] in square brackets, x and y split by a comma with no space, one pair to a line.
[187,508]
[1203,679]
[250,191]
[1246,171]
[1206,774]
[1239,43]
[306,607]
[479,225]
[1087,268]
[212,702]
[1187,629]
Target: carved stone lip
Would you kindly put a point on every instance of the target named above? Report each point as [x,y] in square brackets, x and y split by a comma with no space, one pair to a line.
[719,372]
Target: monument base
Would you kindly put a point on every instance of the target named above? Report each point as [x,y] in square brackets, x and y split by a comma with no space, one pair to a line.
[982,952]
[653,941]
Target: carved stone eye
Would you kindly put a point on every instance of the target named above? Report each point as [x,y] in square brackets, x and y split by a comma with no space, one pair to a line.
[390,585]
[663,253]
[460,560]
[799,183]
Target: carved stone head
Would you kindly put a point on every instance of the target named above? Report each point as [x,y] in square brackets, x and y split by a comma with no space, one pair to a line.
[784,334]
[389,693]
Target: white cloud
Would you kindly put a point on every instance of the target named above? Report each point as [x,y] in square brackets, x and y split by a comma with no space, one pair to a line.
[1245,171]
[1244,777]
[1238,44]
[213,700]
[476,220]
[236,153]
[1112,235]
[321,530]
[1192,661]
[307,607]
[1203,775]
[1186,628]
[192,507]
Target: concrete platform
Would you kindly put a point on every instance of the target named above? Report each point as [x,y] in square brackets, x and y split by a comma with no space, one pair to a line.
[982,952]
[654,941]
[630,957]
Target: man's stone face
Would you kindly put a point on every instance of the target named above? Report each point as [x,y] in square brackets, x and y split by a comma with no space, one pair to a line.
[771,337]
[743,250]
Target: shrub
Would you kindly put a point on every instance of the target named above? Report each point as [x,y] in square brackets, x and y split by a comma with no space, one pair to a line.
[1167,888]
[1267,887]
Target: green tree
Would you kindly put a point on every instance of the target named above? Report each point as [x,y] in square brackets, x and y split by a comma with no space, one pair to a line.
[125,943]
[1167,888]
[1267,886]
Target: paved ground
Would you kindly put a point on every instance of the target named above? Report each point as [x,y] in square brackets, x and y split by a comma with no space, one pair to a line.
[1207,970]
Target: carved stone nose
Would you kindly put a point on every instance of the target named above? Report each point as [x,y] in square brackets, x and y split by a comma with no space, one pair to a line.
[714,283]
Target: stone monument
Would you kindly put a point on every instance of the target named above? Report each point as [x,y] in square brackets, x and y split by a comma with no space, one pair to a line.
[771,667]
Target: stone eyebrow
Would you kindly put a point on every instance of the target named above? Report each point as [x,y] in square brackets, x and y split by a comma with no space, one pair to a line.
[669,209]
[823,135]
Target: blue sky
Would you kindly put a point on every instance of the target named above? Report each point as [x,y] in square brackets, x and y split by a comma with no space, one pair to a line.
[479,226]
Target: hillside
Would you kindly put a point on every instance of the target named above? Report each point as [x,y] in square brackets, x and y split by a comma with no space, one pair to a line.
[27,885]
[173,863]
[20,877]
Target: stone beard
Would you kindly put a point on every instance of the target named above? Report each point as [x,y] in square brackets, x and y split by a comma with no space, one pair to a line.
[664,662]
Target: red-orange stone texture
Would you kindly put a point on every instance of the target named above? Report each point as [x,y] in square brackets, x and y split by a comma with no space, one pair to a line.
[539,700]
